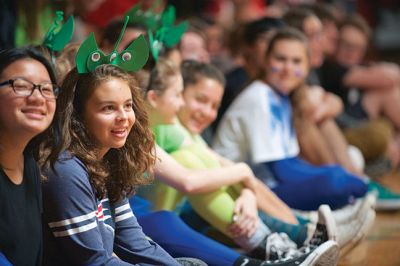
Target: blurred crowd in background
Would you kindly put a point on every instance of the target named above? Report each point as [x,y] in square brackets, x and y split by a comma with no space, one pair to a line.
[24,22]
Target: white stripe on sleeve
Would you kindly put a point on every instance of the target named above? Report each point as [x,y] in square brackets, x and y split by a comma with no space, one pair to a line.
[73,220]
[77,230]
[122,208]
[123,217]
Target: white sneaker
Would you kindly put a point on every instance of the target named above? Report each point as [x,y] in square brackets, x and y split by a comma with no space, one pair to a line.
[350,234]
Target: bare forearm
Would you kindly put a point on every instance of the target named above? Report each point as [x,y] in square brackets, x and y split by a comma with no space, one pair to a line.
[190,181]
[209,180]
[378,76]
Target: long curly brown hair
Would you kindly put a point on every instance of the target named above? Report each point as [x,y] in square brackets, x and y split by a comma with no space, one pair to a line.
[121,170]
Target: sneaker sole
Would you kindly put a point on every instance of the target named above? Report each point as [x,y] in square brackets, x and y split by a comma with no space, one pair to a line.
[387,205]
[366,226]
[327,254]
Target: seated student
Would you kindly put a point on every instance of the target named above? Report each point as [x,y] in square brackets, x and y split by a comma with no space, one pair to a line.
[25,113]
[320,139]
[98,152]
[272,144]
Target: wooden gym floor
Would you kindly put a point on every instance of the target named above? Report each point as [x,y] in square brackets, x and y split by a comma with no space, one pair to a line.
[382,245]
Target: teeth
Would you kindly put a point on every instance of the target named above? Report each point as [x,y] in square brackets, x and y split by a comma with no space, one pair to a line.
[34,112]
[119,131]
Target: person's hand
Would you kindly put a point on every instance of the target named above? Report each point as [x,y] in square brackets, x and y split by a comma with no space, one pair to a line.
[245,220]
[315,98]
[321,113]
[321,104]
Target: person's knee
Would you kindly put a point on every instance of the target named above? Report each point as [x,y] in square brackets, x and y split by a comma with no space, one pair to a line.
[336,182]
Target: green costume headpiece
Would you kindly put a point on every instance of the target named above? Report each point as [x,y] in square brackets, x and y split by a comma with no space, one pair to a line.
[59,35]
[133,58]
[148,18]
[167,35]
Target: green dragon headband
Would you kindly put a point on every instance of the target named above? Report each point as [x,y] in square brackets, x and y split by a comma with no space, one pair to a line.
[148,18]
[167,35]
[59,35]
[133,58]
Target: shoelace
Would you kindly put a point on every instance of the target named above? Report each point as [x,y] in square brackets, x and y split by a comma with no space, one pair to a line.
[282,248]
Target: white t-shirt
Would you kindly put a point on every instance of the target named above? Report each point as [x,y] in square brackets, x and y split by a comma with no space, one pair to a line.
[257,127]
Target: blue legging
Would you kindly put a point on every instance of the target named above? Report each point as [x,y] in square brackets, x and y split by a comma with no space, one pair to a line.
[4,261]
[178,239]
[305,187]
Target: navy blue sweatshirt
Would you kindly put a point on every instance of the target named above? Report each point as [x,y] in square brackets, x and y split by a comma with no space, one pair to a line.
[80,229]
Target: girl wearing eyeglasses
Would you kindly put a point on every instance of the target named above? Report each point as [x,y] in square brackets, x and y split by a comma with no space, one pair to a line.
[27,106]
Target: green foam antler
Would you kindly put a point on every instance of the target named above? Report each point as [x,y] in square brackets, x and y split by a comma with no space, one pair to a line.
[149,19]
[133,58]
[167,35]
[59,35]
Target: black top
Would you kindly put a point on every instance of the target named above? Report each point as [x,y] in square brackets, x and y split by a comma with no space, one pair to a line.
[20,216]
[331,76]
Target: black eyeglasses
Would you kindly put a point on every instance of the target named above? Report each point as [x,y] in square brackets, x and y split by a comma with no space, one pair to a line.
[25,87]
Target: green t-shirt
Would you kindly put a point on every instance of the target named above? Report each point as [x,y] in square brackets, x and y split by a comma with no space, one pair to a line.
[199,151]
[169,137]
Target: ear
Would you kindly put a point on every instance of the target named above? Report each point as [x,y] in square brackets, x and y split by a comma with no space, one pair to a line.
[152,98]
